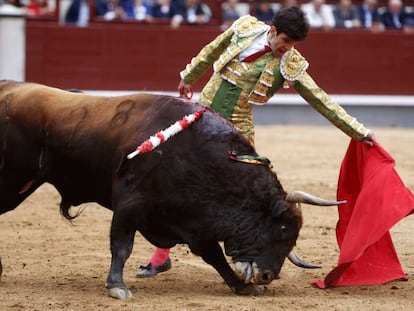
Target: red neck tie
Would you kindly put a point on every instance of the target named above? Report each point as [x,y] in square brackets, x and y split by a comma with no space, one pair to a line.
[256,55]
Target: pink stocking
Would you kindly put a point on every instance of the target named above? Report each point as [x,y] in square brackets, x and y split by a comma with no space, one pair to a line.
[160,256]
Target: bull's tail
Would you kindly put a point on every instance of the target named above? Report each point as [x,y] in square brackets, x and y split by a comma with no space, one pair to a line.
[65,211]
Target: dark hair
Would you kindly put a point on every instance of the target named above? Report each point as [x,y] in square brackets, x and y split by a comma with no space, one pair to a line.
[291,21]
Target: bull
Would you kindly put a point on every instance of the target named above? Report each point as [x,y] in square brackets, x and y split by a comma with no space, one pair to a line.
[188,190]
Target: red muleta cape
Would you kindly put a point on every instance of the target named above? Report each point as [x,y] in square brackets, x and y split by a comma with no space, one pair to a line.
[376,200]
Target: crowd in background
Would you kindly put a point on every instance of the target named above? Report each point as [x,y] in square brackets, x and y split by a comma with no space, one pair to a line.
[173,11]
[366,14]
[343,14]
[78,12]
[30,7]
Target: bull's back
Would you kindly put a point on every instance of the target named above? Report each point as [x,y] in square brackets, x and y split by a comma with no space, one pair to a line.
[73,116]
[74,141]
[35,103]
[84,127]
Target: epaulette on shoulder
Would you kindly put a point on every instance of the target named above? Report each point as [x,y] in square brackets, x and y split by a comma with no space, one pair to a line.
[293,65]
[247,26]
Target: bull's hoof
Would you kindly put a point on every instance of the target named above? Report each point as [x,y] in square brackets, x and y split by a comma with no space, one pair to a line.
[250,290]
[120,293]
[149,270]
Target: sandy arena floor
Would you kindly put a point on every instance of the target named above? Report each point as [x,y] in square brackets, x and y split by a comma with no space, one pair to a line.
[48,264]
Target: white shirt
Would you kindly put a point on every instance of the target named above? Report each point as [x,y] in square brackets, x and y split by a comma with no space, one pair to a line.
[9,9]
[324,18]
[257,45]
[83,19]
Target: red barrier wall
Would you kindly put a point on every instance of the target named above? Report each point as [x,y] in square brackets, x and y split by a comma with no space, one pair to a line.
[133,56]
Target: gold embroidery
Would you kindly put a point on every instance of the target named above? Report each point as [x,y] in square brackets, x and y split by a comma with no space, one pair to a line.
[248,26]
[260,93]
[293,65]
[327,107]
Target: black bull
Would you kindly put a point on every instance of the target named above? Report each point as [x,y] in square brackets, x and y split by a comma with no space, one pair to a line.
[185,191]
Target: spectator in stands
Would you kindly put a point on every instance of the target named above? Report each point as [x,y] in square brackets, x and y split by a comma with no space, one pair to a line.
[289,3]
[230,13]
[39,8]
[394,16]
[194,12]
[251,62]
[114,11]
[12,7]
[166,9]
[369,16]
[263,11]
[142,10]
[78,13]
[128,7]
[346,15]
[319,14]
[409,24]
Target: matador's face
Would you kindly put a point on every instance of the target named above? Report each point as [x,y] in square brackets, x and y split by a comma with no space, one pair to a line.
[280,43]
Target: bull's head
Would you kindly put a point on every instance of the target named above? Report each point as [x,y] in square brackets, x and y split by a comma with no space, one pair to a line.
[274,246]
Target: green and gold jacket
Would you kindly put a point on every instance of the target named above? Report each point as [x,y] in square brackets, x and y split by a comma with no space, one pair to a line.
[236,85]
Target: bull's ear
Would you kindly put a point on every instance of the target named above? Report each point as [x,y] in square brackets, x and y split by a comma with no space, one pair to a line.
[279,208]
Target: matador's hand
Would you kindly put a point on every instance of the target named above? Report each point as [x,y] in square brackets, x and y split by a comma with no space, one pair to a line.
[370,139]
[185,90]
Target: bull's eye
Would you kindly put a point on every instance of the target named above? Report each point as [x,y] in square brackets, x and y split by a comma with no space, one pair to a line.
[283,232]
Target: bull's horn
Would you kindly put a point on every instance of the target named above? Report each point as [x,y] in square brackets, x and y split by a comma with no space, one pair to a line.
[303,197]
[299,262]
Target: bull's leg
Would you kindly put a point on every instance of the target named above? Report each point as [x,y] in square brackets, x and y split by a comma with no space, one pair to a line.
[122,240]
[11,197]
[12,194]
[212,253]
